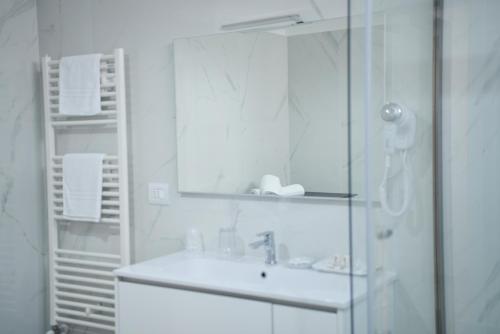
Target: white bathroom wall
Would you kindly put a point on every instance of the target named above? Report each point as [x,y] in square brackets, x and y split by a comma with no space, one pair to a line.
[22,215]
[471,134]
[73,27]
[146,29]
[232,111]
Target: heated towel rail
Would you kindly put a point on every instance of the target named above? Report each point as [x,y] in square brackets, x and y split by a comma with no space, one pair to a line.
[82,286]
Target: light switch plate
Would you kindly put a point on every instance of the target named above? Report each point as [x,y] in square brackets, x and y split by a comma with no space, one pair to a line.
[158,194]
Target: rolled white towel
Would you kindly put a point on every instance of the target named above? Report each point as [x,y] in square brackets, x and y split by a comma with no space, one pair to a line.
[270,185]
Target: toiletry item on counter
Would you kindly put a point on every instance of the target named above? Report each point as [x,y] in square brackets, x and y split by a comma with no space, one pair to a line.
[255,191]
[79,85]
[230,246]
[339,264]
[271,185]
[82,186]
[194,241]
[302,262]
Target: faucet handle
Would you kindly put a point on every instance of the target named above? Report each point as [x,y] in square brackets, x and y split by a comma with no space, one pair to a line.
[266,234]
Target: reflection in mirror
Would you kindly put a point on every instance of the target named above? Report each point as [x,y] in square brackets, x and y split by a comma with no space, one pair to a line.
[264,112]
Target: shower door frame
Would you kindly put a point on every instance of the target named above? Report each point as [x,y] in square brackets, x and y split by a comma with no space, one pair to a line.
[439,260]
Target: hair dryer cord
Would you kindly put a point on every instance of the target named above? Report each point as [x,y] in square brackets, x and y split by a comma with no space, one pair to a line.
[407,179]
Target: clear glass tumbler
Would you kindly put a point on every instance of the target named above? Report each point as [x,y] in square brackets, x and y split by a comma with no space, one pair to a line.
[227,243]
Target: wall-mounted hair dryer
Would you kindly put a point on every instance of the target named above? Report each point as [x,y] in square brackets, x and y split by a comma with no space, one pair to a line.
[399,137]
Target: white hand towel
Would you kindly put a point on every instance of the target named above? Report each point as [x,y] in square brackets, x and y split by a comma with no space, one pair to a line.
[79,85]
[292,190]
[82,186]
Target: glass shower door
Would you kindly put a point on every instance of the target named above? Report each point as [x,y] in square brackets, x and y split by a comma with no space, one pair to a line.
[471,160]
[391,165]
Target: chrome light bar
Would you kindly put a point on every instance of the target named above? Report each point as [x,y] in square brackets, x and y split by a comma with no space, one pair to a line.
[295,18]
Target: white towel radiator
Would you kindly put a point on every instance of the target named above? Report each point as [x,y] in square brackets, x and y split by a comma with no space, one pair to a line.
[82,286]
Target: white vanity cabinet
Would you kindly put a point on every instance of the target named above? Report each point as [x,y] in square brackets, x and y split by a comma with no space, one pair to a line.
[184,293]
[147,308]
[152,309]
[295,320]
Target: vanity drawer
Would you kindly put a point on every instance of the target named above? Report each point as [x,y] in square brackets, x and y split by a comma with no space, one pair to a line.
[294,320]
[154,309]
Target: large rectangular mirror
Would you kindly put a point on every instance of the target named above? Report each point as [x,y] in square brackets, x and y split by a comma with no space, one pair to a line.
[265,103]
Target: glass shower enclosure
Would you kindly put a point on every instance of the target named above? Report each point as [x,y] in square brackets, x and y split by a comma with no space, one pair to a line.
[424,133]
[391,150]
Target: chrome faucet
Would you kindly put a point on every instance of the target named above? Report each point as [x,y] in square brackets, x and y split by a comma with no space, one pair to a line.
[269,246]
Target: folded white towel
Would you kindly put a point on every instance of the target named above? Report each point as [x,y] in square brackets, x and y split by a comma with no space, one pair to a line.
[292,190]
[82,186]
[271,185]
[79,85]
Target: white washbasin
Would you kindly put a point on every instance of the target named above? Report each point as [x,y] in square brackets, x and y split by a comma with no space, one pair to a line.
[250,277]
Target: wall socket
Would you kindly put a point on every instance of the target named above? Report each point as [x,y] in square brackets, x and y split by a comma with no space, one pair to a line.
[158,194]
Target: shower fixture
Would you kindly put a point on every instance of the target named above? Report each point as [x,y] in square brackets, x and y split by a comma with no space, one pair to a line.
[400,127]
[399,138]
[391,112]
